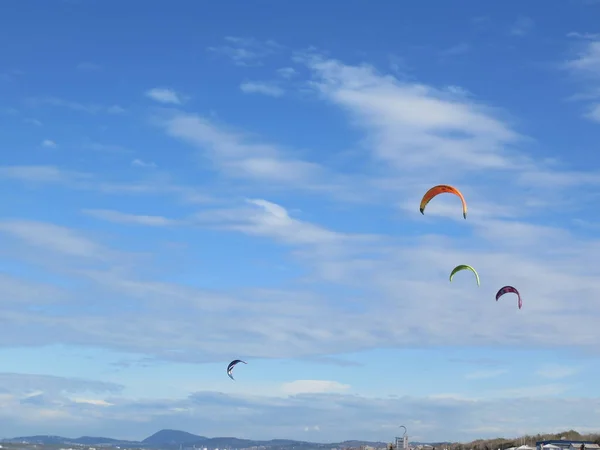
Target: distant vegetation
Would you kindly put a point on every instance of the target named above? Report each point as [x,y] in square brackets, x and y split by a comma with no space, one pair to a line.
[502,443]
[173,439]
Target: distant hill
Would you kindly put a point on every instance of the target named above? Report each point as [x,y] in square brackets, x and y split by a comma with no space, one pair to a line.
[89,440]
[163,437]
[58,440]
[176,438]
[40,439]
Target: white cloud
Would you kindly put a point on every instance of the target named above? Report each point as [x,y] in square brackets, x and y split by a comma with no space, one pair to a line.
[88,66]
[557,371]
[268,219]
[522,26]
[246,51]
[594,113]
[140,163]
[40,174]
[410,126]
[164,95]
[10,75]
[238,154]
[76,106]
[313,387]
[21,291]
[575,34]
[484,374]
[585,65]
[480,21]
[115,109]
[100,147]
[537,390]
[131,219]
[286,72]
[53,238]
[48,143]
[458,49]
[269,89]
[331,415]
[413,126]
[89,401]
[35,384]
[587,61]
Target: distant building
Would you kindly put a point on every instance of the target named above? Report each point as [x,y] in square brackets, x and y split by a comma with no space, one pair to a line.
[564,444]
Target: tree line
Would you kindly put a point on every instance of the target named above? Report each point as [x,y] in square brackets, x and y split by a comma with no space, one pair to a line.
[503,443]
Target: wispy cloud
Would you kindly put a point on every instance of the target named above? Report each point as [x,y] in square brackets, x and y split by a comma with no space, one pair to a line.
[410,126]
[22,290]
[246,157]
[413,125]
[10,75]
[86,181]
[88,66]
[537,390]
[269,89]
[264,218]
[257,416]
[286,72]
[140,163]
[23,384]
[40,174]
[164,95]
[130,219]
[575,34]
[103,147]
[480,21]
[246,51]
[585,65]
[238,154]
[523,25]
[52,238]
[75,106]
[484,374]
[48,143]
[594,113]
[35,122]
[313,387]
[557,371]
[458,49]
[587,61]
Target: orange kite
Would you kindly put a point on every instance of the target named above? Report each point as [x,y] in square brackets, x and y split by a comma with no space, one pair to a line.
[440,189]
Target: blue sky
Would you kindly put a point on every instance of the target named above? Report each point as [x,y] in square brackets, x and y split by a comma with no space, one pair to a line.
[186,184]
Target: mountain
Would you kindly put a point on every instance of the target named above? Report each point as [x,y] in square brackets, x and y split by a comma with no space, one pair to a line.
[175,438]
[39,439]
[83,440]
[89,440]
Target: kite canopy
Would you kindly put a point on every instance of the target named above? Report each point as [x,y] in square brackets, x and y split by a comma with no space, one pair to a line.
[506,290]
[441,189]
[231,365]
[464,267]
